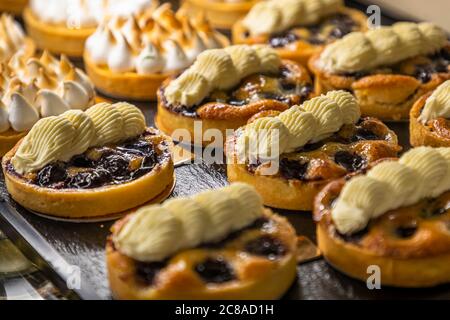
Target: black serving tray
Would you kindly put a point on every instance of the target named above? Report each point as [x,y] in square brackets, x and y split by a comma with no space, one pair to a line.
[54,245]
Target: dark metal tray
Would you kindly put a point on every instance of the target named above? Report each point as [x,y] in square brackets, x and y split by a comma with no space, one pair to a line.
[54,246]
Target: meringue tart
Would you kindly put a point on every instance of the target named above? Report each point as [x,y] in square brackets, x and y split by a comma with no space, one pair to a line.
[37,88]
[290,157]
[222,13]
[63,26]
[298,29]
[13,6]
[80,164]
[429,124]
[223,89]
[395,217]
[217,245]
[130,57]
[13,39]
[388,69]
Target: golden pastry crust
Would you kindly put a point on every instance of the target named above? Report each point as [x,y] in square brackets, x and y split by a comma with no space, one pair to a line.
[14,6]
[409,245]
[257,277]
[95,202]
[56,38]
[9,139]
[223,116]
[222,15]
[299,50]
[279,191]
[435,133]
[384,95]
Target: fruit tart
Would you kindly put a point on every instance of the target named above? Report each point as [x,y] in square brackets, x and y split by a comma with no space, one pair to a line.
[224,88]
[89,164]
[130,57]
[217,245]
[388,69]
[298,29]
[429,119]
[222,13]
[395,217]
[13,39]
[289,158]
[13,6]
[33,88]
[62,26]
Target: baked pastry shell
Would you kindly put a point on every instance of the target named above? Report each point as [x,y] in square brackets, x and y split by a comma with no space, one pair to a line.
[58,39]
[221,15]
[88,203]
[9,139]
[303,50]
[383,96]
[420,134]
[14,6]
[397,269]
[128,85]
[260,278]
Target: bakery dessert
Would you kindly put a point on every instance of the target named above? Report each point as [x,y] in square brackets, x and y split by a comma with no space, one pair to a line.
[289,158]
[131,57]
[81,164]
[224,88]
[13,39]
[395,217]
[62,26]
[429,119]
[298,29]
[388,69]
[222,13]
[33,88]
[13,6]
[217,245]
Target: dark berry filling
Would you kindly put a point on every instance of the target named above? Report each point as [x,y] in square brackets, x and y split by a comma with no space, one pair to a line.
[355,237]
[350,161]
[406,232]
[146,272]
[215,270]
[364,134]
[291,169]
[266,246]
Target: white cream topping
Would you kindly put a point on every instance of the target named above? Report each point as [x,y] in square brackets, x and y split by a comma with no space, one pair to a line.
[12,37]
[437,105]
[157,232]
[420,173]
[38,88]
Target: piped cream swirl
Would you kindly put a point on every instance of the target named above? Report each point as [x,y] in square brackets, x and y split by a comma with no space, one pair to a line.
[437,105]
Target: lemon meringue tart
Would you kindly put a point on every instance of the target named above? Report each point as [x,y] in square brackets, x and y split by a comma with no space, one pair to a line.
[217,245]
[224,88]
[290,157]
[395,217]
[222,13]
[13,39]
[298,29]
[429,119]
[37,88]
[13,6]
[388,69]
[62,26]
[80,164]
[131,57]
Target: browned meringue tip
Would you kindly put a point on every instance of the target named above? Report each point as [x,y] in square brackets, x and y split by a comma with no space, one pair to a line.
[166,17]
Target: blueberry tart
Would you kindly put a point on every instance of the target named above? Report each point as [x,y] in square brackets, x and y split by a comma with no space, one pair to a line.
[217,245]
[395,217]
[429,119]
[291,157]
[388,69]
[226,87]
[298,29]
[81,164]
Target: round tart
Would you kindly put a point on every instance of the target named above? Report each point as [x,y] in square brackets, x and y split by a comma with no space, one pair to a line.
[255,260]
[130,57]
[304,164]
[429,124]
[88,176]
[207,107]
[222,14]
[386,86]
[13,6]
[409,244]
[305,36]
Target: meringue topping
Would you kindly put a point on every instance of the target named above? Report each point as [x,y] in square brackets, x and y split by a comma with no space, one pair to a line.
[59,138]
[437,105]
[382,47]
[12,38]
[38,88]
[222,69]
[420,173]
[153,41]
[155,233]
